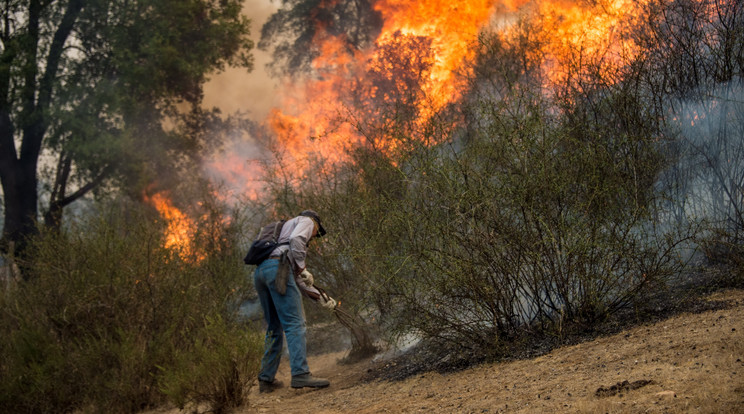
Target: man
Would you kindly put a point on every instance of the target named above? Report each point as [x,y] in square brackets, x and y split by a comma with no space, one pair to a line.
[283,311]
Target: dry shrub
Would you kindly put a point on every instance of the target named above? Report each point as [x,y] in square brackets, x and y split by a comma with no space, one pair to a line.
[541,217]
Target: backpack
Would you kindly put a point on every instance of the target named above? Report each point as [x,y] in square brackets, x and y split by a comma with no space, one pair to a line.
[266,242]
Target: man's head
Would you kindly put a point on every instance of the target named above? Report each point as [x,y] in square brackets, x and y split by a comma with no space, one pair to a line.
[313,215]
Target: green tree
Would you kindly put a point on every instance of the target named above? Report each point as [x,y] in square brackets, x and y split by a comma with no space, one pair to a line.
[97,92]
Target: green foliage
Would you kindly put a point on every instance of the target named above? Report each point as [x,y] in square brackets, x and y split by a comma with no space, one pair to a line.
[107,90]
[213,368]
[112,321]
[528,228]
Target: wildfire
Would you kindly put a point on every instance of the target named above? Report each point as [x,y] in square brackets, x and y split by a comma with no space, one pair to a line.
[315,118]
[451,26]
[415,65]
[180,228]
[587,31]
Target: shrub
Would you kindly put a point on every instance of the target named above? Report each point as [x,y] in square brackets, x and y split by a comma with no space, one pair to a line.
[541,215]
[213,368]
[109,316]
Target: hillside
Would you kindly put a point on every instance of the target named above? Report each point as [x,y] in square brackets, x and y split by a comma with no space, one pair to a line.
[692,362]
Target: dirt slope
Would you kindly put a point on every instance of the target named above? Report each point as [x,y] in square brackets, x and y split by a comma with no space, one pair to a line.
[689,363]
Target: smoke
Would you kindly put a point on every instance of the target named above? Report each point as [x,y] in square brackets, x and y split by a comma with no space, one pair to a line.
[236,168]
[710,169]
[239,90]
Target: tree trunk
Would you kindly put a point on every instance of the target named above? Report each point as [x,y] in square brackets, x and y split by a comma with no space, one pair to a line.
[53,216]
[18,172]
[20,198]
[59,198]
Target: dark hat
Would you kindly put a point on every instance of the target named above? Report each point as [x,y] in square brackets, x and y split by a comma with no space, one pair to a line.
[313,215]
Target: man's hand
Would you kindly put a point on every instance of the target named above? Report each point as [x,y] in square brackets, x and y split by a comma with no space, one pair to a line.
[307,277]
[327,302]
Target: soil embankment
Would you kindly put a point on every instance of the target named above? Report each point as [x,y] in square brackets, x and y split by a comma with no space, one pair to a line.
[691,362]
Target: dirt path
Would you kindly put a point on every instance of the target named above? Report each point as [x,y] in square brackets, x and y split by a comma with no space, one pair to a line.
[689,363]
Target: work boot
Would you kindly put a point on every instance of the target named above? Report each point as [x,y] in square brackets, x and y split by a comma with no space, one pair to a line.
[267,387]
[307,380]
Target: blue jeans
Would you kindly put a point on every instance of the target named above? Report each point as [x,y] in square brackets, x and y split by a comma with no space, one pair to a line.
[284,316]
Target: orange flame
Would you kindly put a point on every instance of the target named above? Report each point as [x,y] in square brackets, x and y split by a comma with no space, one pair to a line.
[452,28]
[590,31]
[417,62]
[180,228]
[316,119]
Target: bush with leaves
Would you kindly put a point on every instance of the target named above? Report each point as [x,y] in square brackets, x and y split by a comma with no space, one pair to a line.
[110,320]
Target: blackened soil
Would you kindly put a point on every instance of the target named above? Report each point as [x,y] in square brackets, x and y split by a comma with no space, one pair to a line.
[621,387]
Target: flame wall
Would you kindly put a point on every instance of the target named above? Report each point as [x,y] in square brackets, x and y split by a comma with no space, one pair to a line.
[423,45]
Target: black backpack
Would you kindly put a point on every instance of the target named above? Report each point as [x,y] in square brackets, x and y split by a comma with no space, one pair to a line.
[266,242]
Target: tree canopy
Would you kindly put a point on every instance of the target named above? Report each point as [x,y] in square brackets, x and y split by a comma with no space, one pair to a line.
[96,92]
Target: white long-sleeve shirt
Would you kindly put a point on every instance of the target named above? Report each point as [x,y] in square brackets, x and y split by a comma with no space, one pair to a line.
[297,232]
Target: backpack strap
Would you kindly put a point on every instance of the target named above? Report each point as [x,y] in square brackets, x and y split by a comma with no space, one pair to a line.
[278,231]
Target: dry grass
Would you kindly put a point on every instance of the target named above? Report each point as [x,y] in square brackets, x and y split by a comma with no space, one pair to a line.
[694,362]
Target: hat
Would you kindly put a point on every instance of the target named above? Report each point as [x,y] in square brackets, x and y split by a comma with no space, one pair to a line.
[313,215]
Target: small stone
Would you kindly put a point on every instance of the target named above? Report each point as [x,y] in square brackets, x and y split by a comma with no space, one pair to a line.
[666,394]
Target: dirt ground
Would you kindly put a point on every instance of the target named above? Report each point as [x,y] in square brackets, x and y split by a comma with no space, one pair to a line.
[688,363]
